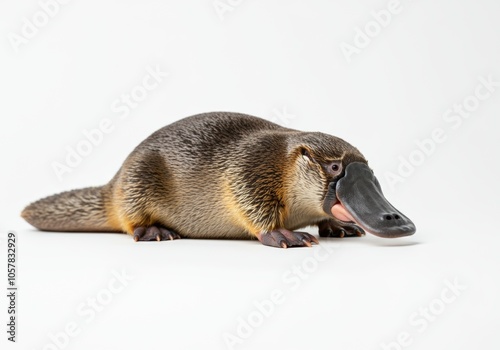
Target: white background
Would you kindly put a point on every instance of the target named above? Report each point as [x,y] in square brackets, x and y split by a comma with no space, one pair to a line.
[280,60]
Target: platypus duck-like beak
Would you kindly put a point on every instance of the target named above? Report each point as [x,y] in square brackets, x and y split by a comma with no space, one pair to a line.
[359,199]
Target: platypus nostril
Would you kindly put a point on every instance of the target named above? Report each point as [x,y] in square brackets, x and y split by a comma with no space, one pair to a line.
[388,217]
[397,217]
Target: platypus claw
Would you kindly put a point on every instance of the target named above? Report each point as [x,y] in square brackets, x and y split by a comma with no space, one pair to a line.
[283,238]
[154,233]
[330,228]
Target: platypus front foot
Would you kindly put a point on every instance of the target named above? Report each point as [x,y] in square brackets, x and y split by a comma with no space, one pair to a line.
[154,233]
[330,228]
[283,238]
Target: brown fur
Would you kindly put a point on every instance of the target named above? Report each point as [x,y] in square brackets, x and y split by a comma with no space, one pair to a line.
[214,175]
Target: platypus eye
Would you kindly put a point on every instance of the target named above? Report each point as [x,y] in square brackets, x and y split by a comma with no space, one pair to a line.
[334,168]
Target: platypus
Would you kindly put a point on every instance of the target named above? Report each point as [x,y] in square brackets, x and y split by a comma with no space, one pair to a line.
[230,175]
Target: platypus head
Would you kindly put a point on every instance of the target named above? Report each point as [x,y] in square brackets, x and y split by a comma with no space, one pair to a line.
[350,192]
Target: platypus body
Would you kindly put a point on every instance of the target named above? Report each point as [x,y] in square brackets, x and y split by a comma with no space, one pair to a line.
[230,175]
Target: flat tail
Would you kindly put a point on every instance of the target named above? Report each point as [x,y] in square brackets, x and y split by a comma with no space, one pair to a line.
[82,210]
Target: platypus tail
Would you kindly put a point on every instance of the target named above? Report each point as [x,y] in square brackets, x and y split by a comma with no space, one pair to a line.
[78,210]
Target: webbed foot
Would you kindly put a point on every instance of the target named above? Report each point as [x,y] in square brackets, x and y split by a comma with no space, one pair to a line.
[331,228]
[283,238]
[154,233]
